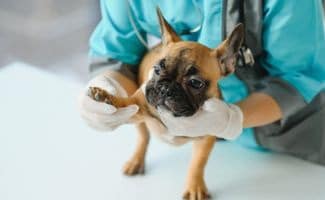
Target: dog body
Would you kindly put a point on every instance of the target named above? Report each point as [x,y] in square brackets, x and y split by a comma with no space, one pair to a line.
[177,77]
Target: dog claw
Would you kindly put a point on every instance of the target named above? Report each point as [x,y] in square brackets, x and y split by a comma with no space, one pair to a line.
[97,97]
[196,191]
[196,195]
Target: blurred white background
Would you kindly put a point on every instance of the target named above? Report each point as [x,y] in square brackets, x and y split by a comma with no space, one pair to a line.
[52,34]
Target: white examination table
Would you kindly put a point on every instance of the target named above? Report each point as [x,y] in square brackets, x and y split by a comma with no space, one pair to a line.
[48,153]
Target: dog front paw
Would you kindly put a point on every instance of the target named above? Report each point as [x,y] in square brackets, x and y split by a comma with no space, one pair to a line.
[196,190]
[134,166]
[99,95]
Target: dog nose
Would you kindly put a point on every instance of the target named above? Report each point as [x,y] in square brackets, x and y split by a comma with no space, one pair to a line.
[165,91]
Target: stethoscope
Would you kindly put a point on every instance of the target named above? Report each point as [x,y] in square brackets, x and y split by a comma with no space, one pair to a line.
[143,41]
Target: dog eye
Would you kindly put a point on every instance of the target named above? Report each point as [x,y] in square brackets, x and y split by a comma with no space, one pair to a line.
[196,84]
[162,63]
[157,67]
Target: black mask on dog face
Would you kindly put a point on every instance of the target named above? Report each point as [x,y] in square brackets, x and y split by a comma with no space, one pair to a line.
[176,86]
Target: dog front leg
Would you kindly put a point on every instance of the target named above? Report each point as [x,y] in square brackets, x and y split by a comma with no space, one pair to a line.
[136,163]
[195,184]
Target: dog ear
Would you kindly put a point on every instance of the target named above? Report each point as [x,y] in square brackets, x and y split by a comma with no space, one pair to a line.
[227,51]
[167,33]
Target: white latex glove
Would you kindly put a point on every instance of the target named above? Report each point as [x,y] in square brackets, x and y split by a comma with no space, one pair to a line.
[214,118]
[102,116]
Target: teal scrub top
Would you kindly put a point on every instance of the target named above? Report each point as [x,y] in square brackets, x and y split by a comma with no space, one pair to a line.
[293,39]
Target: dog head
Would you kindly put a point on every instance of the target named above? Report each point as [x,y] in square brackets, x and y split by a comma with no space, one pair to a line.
[187,72]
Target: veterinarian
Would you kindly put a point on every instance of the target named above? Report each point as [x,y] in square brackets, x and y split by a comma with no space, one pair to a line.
[281,95]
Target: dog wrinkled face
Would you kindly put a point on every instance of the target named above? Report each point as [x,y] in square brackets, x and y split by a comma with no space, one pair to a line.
[187,72]
[176,84]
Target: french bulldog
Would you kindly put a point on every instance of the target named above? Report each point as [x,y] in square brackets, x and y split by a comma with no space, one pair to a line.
[177,76]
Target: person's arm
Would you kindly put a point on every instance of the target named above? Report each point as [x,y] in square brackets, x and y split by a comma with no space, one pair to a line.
[294,38]
[114,36]
[259,109]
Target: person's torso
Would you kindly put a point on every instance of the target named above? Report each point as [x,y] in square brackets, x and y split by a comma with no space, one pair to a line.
[192,19]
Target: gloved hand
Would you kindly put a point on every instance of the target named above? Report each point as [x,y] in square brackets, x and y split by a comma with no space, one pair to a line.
[102,116]
[214,118]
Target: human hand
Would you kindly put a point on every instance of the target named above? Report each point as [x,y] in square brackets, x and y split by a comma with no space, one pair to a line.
[214,118]
[103,116]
